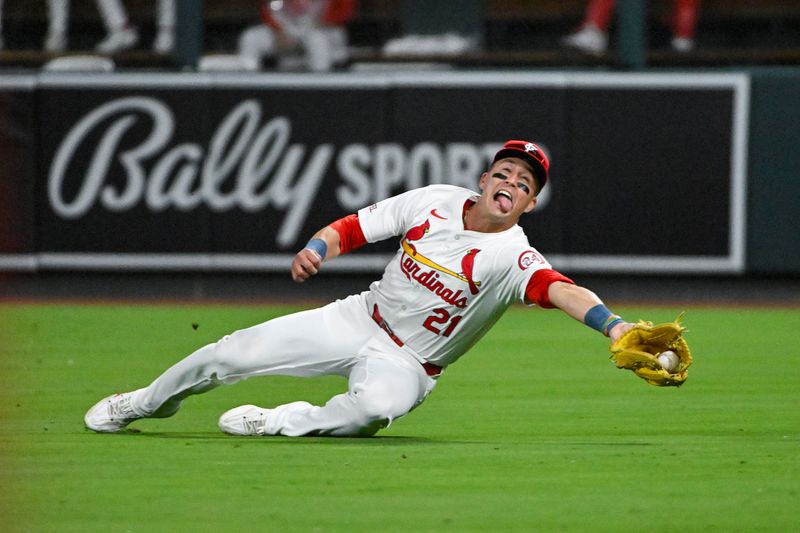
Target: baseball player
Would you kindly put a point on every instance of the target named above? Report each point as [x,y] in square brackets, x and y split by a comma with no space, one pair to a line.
[122,36]
[592,36]
[314,27]
[461,261]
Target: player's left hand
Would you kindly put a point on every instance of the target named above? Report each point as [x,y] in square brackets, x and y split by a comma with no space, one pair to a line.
[619,330]
[305,264]
[638,350]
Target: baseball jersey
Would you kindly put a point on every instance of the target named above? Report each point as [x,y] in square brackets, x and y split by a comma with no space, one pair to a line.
[446,286]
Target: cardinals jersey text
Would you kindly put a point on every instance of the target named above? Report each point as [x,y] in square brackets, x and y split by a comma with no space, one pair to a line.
[446,286]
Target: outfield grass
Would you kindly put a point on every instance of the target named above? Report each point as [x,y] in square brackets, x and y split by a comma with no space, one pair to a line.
[534,430]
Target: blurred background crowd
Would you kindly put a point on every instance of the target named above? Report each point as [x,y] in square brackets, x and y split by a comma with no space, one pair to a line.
[323,35]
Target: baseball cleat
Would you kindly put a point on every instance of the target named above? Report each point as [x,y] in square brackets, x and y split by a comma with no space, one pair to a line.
[111,414]
[682,44]
[590,39]
[118,40]
[244,420]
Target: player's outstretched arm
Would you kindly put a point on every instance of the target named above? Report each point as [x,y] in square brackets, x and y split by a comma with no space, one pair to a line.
[584,306]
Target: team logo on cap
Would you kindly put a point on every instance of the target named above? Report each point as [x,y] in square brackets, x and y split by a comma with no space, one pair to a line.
[530,147]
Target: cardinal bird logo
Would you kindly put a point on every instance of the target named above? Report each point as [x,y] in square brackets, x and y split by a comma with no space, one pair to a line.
[467,268]
[416,233]
[412,262]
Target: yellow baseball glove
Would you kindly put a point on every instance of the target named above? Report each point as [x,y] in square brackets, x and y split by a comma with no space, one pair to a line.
[638,350]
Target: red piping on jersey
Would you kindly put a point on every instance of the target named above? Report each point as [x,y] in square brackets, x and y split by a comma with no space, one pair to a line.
[536,291]
[351,237]
[469,203]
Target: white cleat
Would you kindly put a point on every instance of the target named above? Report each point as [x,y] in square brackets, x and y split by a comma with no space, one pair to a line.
[118,40]
[245,420]
[589,39]
[111,414]
[682,44]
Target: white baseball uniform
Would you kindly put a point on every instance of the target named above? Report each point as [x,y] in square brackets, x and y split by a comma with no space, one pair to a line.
[441,292]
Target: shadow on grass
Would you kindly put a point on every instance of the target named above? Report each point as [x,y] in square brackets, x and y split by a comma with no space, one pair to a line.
[378,440]
[568,443]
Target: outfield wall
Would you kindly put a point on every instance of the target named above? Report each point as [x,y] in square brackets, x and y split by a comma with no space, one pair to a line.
[233,173]
[773,240]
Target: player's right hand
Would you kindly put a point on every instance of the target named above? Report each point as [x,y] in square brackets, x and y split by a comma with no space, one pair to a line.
[305,264]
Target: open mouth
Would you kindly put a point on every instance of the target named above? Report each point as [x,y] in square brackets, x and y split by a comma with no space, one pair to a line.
[504,200]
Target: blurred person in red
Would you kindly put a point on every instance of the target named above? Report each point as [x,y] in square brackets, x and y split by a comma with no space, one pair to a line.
[592,36]
[313,30]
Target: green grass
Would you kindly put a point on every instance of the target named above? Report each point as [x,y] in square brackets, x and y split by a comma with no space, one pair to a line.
[534,430]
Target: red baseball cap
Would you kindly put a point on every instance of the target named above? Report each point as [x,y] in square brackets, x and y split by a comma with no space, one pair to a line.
[530,153]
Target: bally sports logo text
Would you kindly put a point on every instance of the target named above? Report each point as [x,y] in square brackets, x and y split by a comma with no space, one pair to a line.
[247,162]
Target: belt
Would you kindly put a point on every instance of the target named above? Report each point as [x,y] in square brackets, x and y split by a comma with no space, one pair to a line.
[430,369]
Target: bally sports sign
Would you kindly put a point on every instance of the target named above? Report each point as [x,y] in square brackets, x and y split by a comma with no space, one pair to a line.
[202,172]
[249,163]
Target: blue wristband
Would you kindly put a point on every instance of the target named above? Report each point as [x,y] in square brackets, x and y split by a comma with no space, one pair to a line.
[601,319]
[615,320]
[318,246]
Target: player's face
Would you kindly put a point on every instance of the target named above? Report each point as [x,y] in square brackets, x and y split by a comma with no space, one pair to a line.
[509,190]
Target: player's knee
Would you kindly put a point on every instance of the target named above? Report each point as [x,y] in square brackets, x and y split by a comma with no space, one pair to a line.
[217,358]
[376,409]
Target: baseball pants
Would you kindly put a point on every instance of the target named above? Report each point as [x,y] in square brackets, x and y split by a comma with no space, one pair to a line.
[384,382]
[115,16]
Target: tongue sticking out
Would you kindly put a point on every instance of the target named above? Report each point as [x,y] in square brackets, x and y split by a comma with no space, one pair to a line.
[504,202]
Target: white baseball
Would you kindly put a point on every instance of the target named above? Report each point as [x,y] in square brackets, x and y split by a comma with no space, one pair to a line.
[669,360]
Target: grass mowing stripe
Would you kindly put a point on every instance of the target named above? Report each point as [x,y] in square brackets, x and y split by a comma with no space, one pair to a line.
[533,430]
